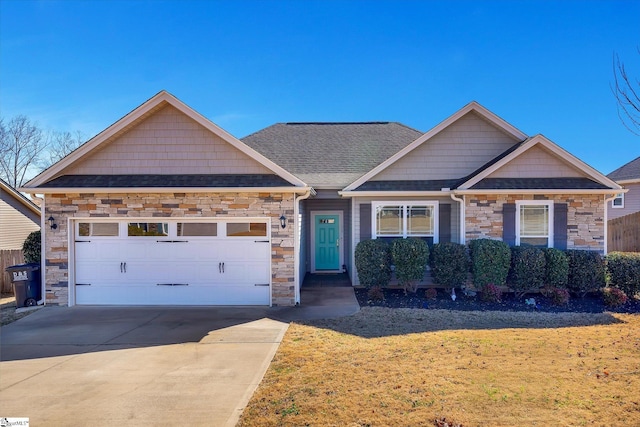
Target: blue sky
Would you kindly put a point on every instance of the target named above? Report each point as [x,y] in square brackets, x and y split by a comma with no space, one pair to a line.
[544,66]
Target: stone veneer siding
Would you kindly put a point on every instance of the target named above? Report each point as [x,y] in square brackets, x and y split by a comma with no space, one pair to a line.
[585,217]
[170,205]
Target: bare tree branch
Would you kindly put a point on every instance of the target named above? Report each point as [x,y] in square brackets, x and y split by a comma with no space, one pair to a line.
[21,145]
[627,96]
[60,144]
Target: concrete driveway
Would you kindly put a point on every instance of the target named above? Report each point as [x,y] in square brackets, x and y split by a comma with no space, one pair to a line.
[135,366]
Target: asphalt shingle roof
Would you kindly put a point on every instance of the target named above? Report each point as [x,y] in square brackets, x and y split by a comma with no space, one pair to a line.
[166,181]
[538,184]
[629,171]
[406,185]
[331,155]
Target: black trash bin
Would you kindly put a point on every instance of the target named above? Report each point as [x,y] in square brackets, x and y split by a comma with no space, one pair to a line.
[26,284]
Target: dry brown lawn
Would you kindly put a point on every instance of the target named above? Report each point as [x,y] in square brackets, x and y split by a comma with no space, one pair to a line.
[388,367]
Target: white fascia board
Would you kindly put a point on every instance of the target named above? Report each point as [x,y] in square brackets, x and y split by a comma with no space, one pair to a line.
[103,190]
[394,193]
[628,181]
[142,110]
[472,106]
[551,146]
[541,191]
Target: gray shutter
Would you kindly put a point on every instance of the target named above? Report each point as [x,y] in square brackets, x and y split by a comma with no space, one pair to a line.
[365,221]
[560,226]
[444,228]
[509,223]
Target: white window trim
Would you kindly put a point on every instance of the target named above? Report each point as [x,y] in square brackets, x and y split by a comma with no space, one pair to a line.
[618,196]
[405,203]
[548,203]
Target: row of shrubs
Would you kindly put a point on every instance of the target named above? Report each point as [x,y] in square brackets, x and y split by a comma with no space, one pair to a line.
[523,269]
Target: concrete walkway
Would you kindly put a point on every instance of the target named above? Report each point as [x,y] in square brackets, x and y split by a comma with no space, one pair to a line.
[146,365]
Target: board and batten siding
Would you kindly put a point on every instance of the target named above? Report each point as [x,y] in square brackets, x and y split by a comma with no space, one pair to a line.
[365,203]
[455,152]
[167,142]
[631,202]
[16,222]
[535,163]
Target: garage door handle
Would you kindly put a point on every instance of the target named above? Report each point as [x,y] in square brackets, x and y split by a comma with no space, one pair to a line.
[172,284]
[261,284]
[121,266]
[223,267]
[261,241]
[219,267]
[125,267]
[83,284]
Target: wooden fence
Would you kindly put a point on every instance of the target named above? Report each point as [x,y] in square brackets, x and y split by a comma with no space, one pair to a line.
[7,259]
[624,233]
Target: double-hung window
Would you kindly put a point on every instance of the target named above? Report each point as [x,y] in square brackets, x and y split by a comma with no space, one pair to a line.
[534,223]
[618,202]
[405,219]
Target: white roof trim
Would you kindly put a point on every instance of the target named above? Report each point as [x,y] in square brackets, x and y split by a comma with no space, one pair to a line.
[142,110]
[19,197]
[555,149]
[628,181]
[542,191]
[472,106]
[104,190]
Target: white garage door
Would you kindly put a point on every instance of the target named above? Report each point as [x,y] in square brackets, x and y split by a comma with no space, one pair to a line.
[172,263]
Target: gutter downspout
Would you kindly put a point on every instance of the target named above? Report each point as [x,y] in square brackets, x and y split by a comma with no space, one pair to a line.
[462,217]
[296,242]
[606,221]
[43,253]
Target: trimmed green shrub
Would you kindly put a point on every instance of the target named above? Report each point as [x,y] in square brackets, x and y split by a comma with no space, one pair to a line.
[586,271]
[449,264]
[410,258]
[528,268]
[614,297]
[490,261]
[373,263]
[557,270]
[32,247]
[623,271]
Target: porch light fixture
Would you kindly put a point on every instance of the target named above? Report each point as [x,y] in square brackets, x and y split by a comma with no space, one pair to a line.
[52,223]
[283,221]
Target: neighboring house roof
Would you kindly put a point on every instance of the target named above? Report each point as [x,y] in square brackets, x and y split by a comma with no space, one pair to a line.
[627,172]
[20,198]
[147,109]
[331,155]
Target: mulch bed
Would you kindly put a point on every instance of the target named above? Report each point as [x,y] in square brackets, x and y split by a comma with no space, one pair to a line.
[396,298]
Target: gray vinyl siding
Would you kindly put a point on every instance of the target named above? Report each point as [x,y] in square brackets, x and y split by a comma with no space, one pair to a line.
[16,222]
[631,203]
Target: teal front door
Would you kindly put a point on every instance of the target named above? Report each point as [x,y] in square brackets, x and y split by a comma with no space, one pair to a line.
[327,242]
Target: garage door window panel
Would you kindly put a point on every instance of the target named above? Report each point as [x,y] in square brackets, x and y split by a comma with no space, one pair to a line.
[243,229]
[98,229]
[155,229]
[197,229]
